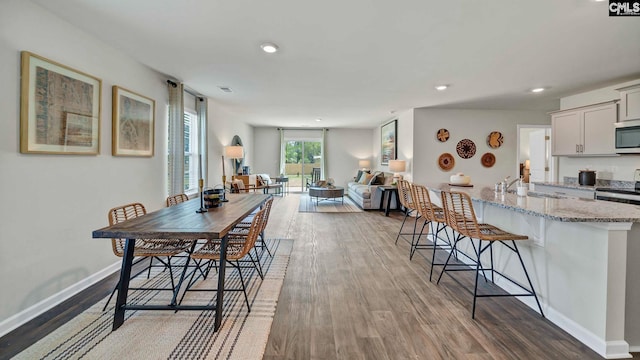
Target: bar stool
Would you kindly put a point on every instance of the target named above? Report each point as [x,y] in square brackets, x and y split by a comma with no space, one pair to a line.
[404,193]
[432,214]
[460,216]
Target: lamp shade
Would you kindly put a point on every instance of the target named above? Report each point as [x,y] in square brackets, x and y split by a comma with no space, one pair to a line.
[527,164]
[234,152]
[397,166]
[364,164]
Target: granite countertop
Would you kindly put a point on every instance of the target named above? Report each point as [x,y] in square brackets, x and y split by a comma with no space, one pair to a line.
[554,208]
[572,183]
[569,185]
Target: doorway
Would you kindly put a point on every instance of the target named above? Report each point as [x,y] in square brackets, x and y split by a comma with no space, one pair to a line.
[301,156]
[534,160]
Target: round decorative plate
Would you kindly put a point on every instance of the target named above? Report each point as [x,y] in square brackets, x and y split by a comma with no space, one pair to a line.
[488,159]
[466,148]
[442,135]
[446,161]
[495,139]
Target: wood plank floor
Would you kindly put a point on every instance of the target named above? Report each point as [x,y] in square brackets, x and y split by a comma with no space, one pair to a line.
[351,293]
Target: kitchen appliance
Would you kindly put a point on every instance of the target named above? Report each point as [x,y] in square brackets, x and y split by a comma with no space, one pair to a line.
[587,177]
[628,137]
[626,195]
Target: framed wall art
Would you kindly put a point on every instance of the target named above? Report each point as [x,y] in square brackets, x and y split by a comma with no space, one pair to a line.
[59,108]
[133,123]
[388,142]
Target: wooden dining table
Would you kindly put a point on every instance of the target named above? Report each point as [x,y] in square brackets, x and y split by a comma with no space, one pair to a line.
[180,222]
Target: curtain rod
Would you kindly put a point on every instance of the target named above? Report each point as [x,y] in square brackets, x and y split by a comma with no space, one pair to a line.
[303,129]
[186,89]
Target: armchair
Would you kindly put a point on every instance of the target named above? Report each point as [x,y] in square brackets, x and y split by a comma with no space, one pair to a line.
[315,177]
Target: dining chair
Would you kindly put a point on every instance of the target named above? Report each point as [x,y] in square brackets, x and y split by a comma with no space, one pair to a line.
[242,229]
[432,215]
[144,248]
[404,194]
[238,247]
[460,216]
[176,199]
[315,178]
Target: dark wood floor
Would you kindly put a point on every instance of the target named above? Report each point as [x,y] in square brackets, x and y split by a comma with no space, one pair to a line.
[351,293]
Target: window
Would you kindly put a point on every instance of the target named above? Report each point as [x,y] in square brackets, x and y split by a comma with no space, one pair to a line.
[191,154]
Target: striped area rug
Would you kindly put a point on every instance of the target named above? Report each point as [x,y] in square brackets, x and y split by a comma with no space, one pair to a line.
[308,204]
[181,335]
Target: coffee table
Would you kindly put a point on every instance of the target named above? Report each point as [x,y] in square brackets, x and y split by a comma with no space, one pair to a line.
[325,193]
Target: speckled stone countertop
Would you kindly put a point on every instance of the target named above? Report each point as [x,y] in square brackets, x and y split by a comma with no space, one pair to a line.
[568,185]
[554,208]
[572,183]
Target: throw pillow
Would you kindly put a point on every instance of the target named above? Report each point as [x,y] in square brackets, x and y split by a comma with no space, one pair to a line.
[362,177]
[366,179]
[260,181]
[358,175]
[377,179]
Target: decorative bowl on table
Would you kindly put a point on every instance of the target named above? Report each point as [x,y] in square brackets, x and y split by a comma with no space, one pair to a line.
[459,179]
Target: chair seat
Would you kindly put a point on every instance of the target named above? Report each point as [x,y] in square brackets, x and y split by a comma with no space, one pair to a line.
[211,250]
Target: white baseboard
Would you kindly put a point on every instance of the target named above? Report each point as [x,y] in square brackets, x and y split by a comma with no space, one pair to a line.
[35,310]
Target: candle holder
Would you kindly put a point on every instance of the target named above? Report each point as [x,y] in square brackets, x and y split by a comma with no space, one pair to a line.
[202,208]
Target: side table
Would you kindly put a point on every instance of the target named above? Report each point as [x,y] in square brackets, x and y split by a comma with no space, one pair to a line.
[285,183]
[388,191]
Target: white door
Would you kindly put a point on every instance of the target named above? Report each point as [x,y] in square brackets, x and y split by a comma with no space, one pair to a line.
[538,150]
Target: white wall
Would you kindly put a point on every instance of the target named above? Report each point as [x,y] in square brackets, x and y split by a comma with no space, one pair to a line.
[608,168]
[468,124]
[223,124]
[344,148]
[52,203]
[405,141]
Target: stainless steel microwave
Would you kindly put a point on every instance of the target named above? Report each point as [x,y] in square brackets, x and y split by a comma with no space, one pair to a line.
[628,137]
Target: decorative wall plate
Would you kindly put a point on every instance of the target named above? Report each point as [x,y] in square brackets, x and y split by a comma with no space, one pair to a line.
[488,159]
[495,139]
[446,161]
[466,148]
[442,135]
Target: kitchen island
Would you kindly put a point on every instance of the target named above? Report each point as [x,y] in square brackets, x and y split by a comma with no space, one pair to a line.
[582,257]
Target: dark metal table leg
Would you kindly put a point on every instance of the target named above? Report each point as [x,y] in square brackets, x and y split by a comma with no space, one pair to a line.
[386,211]
[123,289]
[220,290]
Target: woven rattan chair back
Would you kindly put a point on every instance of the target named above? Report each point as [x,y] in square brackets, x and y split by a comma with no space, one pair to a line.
[211,250]
[424,206]
[176,199]
[267,211]
[404,193]
[120,214]
[459,214]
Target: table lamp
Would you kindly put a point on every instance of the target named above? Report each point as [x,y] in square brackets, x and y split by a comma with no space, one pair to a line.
[397,166]
[233,152]
[364,164]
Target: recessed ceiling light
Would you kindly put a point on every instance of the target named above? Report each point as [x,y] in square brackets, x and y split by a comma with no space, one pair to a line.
[442,87]
[537,90]
[318,119]
[269,48]
[225,89]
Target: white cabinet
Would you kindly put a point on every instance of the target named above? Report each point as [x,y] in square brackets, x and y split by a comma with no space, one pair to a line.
[630,103]
[587,130]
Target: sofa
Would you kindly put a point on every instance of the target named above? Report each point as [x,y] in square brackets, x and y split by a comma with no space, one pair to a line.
[366,195]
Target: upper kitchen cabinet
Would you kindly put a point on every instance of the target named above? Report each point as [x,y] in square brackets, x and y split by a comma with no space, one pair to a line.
[630,103]
[585,131]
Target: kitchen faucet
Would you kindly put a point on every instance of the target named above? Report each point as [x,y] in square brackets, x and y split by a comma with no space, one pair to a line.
[506,185]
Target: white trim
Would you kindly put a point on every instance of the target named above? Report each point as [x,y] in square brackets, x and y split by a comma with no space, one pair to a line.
[35,310]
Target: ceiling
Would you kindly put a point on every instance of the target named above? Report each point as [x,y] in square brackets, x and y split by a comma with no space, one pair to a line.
[355,63]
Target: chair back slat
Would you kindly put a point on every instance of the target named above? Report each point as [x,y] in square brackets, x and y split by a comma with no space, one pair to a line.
[404,193]
[176,199]
[120,214]
[423,204]
[459,213]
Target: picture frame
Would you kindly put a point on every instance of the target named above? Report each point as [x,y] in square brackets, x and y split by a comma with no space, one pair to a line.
[133,123]
[59,108]
[388,142]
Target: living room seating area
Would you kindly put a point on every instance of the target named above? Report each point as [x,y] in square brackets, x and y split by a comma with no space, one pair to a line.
[364,189]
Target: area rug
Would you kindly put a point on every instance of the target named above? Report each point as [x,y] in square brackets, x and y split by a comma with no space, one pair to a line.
[182,335]
[308,204]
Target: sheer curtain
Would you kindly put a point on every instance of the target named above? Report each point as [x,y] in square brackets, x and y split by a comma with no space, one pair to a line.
[176,139]
[323,159]
[283,145]
[201,110]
